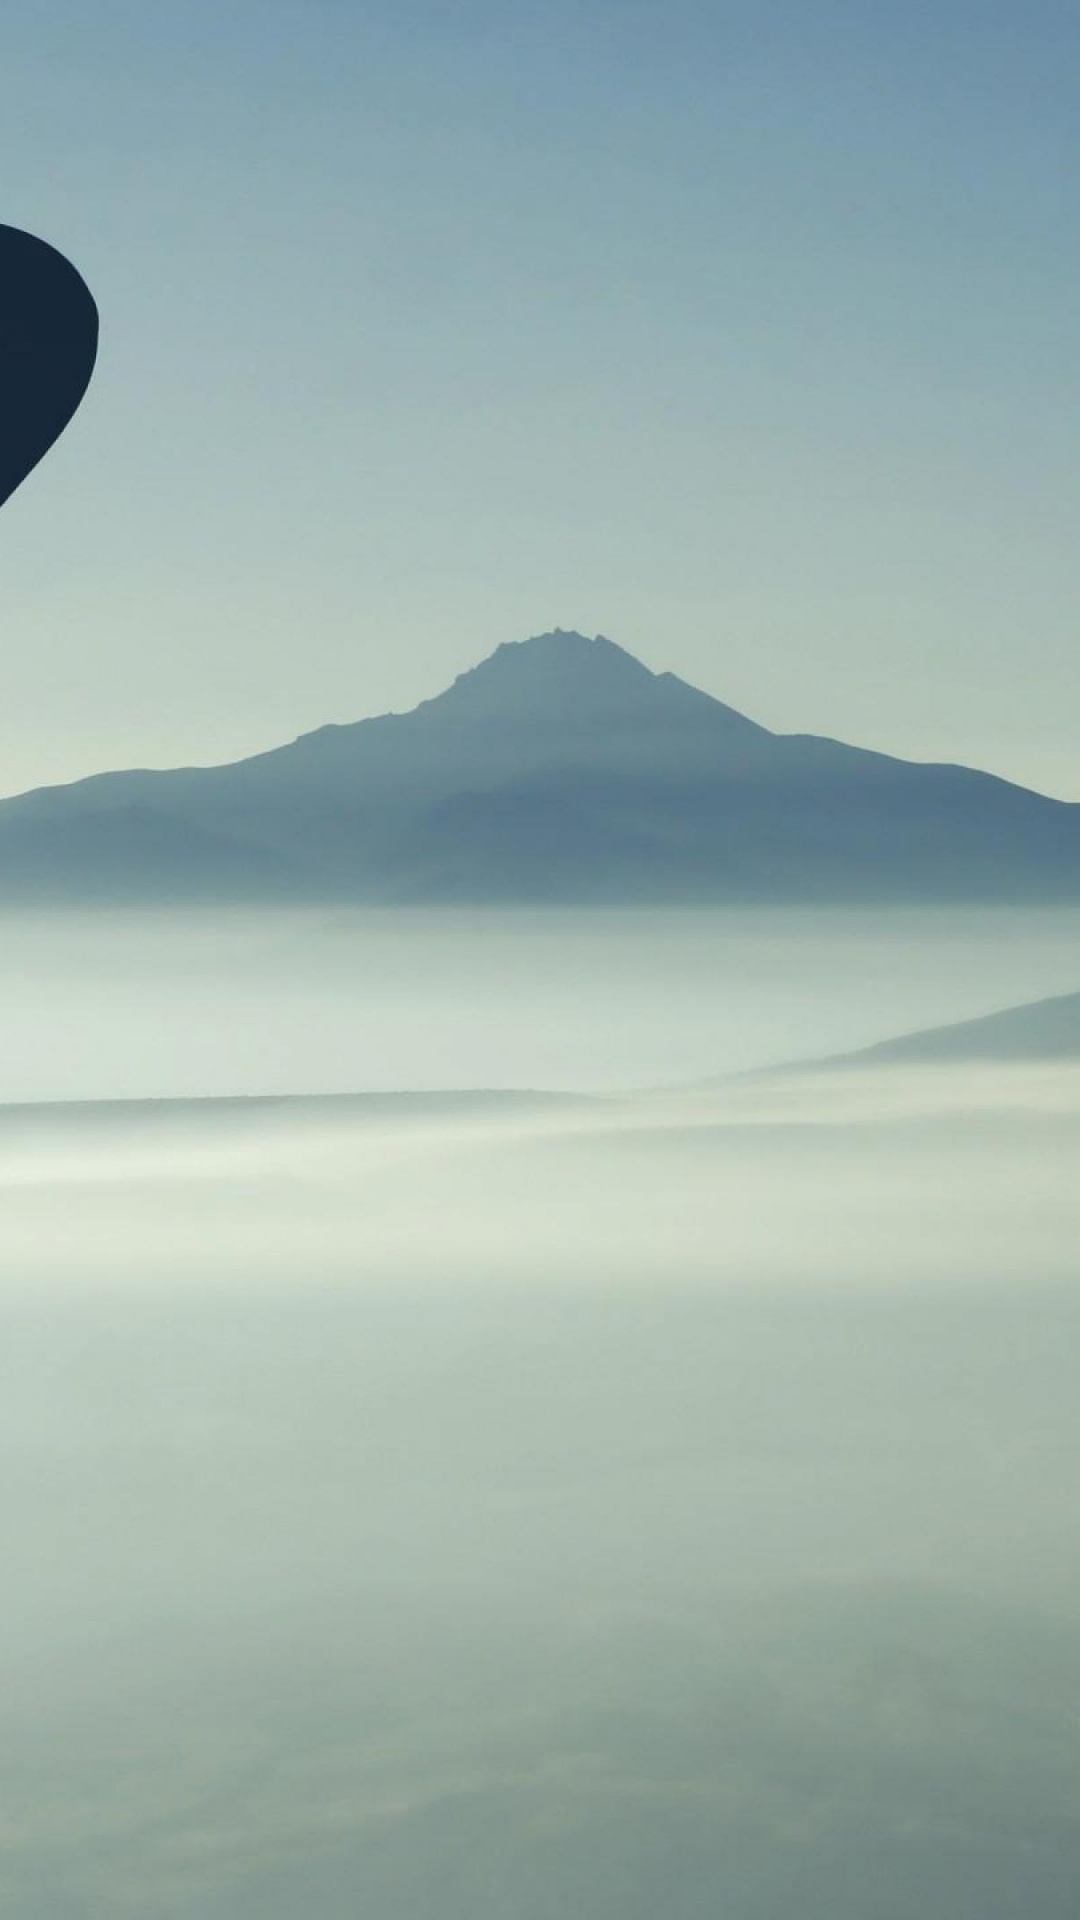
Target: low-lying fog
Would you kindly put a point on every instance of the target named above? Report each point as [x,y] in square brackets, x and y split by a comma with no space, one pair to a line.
[484,1508]
[495,1512]
[127,1004]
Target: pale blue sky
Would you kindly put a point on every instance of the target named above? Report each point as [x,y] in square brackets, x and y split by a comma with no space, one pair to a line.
[746,334]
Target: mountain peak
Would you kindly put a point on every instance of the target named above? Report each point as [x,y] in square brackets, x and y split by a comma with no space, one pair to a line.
[556,673]
[567,694]
[565,646]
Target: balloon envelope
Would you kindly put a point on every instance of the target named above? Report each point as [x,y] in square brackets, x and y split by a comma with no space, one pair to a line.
[48,344]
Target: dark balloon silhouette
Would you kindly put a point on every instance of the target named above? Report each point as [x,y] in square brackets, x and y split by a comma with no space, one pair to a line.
[48,344]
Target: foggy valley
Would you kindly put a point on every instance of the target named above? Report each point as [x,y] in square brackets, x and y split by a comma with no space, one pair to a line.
[448,1496]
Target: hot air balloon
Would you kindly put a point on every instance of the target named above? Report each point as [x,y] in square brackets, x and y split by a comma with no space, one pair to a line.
[48,344]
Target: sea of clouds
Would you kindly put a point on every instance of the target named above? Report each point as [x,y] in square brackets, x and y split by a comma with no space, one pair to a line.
[477,1508]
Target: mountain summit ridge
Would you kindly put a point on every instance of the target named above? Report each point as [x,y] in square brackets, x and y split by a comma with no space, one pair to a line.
[558,769]
[563,674]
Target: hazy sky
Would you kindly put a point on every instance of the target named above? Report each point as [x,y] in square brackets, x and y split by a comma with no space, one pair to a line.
[744,333]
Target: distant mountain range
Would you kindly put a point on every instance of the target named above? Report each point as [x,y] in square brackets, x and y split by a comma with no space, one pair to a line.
[559,770]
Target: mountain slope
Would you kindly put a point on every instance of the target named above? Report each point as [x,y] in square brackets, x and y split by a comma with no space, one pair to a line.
[559,769]
[1040,1030]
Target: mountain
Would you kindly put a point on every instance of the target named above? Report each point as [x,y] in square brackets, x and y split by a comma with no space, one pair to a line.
[558,770]
[1040,1030]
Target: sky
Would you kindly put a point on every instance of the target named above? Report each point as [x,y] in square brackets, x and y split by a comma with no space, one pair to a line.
[742,333]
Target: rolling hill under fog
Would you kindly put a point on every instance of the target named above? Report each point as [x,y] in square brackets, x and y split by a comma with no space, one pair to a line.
[559,770]
[1043,1030]
[1040,1031]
